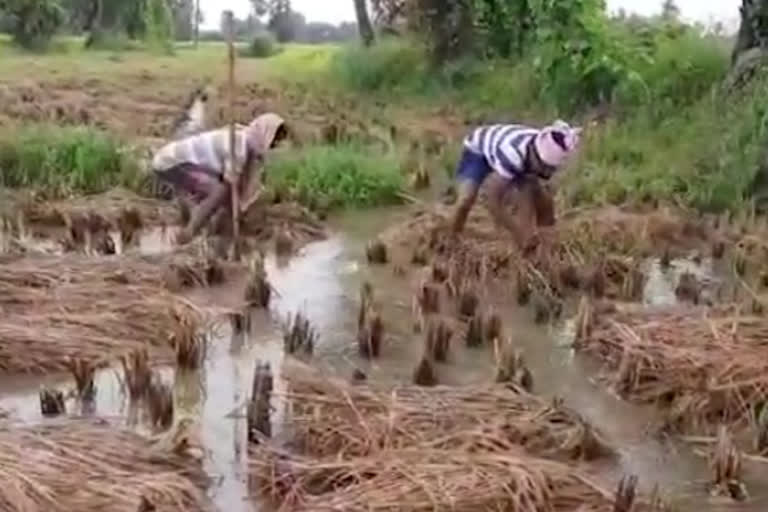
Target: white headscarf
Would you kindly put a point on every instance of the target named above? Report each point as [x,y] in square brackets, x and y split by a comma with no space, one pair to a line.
[552,153]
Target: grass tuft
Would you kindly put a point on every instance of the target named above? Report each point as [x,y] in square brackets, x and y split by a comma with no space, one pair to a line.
[65,161]
[344,175]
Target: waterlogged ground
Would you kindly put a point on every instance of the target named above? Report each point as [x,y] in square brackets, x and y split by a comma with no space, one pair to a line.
[323,281]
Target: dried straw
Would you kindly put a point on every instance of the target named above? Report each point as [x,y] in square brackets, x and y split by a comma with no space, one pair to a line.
[603,245]
[112,206]
[704,365]
[333,417]
[173,271]
[94,310]
[88,466]
[425,479]
[111,322]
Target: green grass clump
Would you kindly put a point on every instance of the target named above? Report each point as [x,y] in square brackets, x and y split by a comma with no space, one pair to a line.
[261,46]
[65,161]
[705,156]
[337,176]
[392,65]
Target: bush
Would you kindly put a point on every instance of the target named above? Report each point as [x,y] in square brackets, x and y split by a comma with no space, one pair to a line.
[65,161]
[682,67]
[111,41]
[392,65]
[260,47]
[337,176]
[688,157]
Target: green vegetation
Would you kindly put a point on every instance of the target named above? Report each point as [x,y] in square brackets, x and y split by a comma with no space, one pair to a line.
[65,161]
[343,175]
[653,86]
[261,46]
[649,90]
[35,21]
[158,26]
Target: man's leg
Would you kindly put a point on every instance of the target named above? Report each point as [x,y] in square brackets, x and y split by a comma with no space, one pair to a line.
[544,205]
[527,218]
[473,169]
[467,196]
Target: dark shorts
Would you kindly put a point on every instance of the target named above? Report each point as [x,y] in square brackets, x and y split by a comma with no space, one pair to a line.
[473,167]
[191,180]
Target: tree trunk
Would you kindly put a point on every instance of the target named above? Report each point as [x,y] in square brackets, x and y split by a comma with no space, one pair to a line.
[753,31]
[364,22]
[95,23]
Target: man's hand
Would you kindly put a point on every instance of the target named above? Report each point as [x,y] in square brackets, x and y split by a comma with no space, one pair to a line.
[183,237]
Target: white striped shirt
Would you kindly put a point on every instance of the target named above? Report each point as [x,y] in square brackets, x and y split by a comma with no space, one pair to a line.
[504,146]
[208,149]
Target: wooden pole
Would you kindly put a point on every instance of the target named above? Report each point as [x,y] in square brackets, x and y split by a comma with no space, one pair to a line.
[196,21]
[235,185]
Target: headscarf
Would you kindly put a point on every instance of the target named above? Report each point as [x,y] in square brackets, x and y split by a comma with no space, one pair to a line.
[262,131]
[549,150]
[259,136]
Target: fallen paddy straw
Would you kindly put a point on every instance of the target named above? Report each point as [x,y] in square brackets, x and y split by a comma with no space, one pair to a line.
[596,250]
[94,310]
[333,417]
[704,366]
[172,271]
[426,479]
[89,466]
[112,322]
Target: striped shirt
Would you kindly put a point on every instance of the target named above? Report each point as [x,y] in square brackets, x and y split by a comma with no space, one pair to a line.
[208,149]
[504,146]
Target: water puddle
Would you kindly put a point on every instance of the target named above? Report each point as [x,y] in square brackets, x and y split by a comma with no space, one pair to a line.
[323,281]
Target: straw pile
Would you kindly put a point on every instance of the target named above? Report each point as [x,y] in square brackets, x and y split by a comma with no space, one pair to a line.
[334,417]
[94,310]
[427,480]
[110,207]
[47,337]
[598,250]
[291,220]
[705,366]
[89,466]
[173,271]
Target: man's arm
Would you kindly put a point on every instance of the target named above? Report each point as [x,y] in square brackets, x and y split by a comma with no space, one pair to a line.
[497,189]
[253,173]
[203,213]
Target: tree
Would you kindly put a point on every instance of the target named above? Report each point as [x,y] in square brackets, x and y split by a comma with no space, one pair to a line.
[243,29]
[364,22]
[283,21]
[34,21]
[446,24]
[158,21]
[670,11]
[184,23]
[753,30]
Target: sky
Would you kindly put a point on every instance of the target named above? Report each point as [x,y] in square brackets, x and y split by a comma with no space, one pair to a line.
[335,11]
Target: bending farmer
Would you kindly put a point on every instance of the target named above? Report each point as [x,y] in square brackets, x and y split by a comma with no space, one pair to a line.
[512,156]
[198,168]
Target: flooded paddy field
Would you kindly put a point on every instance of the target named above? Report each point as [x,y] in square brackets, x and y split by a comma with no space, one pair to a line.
[322,280]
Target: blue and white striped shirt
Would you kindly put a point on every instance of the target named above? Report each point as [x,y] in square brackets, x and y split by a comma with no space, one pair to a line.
[504,146]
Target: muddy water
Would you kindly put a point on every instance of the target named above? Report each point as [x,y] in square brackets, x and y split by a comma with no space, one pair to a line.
[323,281]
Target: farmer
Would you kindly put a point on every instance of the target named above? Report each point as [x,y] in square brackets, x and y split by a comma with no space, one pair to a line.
[198,168]
[512,156]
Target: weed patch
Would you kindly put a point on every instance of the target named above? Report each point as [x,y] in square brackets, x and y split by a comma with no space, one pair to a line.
[65,161]
[337,176]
